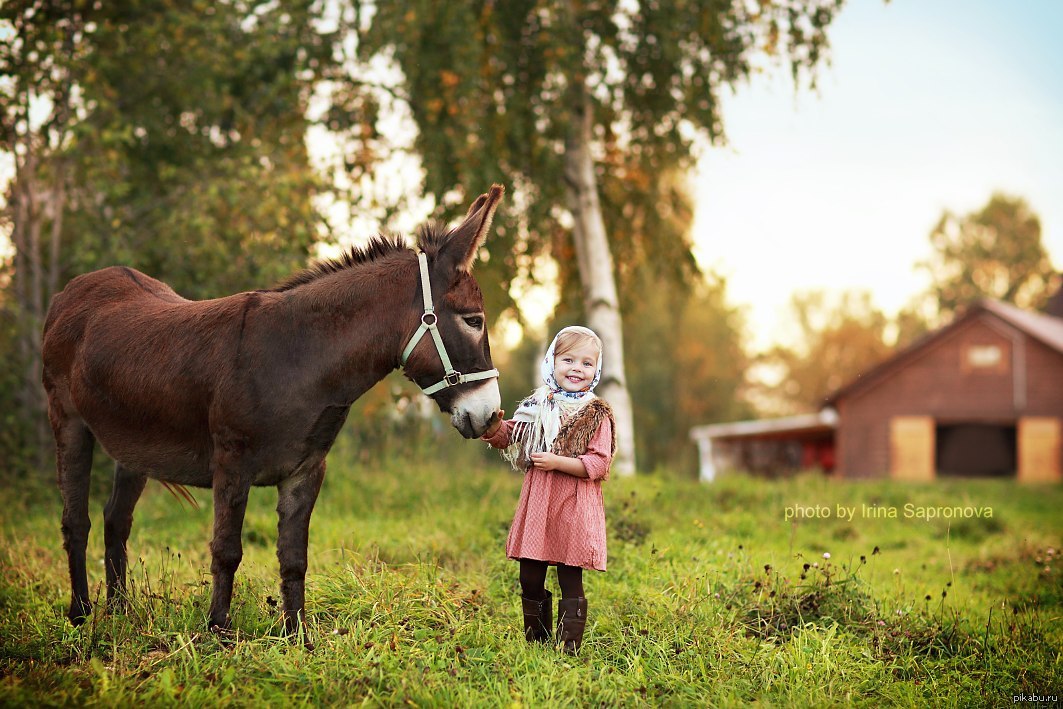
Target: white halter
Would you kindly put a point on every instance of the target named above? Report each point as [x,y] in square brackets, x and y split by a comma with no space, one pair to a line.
[429,321]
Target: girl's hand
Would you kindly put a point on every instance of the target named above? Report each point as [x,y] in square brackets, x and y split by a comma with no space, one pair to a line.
[545,461]
[494,424]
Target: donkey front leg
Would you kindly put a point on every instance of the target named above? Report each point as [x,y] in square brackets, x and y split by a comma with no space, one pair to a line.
[295,502]
[230,502]
[117,522]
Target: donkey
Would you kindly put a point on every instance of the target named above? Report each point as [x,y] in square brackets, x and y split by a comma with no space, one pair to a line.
[253,388]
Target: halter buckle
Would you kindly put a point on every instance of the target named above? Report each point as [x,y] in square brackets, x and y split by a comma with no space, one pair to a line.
[452,378]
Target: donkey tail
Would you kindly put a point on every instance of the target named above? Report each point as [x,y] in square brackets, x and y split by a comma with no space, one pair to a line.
[180,493]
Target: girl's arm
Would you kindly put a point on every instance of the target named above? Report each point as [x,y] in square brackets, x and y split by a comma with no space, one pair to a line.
[594,464]
[560,463]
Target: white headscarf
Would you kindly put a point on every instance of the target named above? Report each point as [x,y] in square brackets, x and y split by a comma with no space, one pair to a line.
[539,417]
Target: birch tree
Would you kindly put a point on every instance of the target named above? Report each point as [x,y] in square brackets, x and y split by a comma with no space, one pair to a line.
[536,93]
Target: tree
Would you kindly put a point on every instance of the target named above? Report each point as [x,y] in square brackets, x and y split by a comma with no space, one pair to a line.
[913,321]
[536,93]
[38,62]
[679,330]
[177,148]
[994,252]
[838,340]
[690,366]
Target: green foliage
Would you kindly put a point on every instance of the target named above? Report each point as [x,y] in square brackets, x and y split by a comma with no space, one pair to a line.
[191,161]
[181,145]
[993,252]
[17,447]
[411,599]
[494,88]
[169,136]
[688,367]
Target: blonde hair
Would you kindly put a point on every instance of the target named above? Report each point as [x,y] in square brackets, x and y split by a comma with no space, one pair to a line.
[573,338]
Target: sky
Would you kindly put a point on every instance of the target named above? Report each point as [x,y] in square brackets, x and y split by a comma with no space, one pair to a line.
[927,105]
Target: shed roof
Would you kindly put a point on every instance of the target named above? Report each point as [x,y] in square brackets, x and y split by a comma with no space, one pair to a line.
[821,421]
[1044,328]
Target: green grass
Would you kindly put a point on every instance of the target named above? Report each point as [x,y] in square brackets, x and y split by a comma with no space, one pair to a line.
[707,600]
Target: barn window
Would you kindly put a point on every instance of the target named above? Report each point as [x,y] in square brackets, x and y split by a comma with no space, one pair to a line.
[984,357]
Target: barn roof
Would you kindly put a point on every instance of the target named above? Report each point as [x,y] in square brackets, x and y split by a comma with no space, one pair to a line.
[1044,328]
[1054,306]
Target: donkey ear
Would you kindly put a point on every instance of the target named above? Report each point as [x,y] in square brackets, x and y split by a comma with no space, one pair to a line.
[470,235]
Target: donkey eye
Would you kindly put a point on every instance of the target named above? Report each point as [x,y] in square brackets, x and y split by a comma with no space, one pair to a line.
[474,321]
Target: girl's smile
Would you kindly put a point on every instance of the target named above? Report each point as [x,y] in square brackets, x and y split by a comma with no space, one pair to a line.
[574,370]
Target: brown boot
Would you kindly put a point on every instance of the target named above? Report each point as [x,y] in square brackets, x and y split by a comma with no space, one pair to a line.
[571,621]
[537,620]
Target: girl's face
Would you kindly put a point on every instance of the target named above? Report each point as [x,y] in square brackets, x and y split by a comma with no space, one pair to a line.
[574,370]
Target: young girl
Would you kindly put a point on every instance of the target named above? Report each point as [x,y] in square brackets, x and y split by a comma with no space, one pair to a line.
[563,437]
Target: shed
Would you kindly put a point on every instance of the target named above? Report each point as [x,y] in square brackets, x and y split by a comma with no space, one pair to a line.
[770,447]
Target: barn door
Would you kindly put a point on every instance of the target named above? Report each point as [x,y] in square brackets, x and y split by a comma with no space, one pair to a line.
[1040,443]
[912,448]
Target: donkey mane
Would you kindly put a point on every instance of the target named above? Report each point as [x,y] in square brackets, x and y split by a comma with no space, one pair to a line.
[429,238]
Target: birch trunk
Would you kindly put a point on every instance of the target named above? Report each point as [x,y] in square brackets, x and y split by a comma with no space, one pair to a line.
[595,262]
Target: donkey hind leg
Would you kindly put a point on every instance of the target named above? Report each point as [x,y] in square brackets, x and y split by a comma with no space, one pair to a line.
[73,444]
[117,521]
[295,502]
[226,549]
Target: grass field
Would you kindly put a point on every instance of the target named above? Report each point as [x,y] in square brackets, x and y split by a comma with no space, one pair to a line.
[713,597]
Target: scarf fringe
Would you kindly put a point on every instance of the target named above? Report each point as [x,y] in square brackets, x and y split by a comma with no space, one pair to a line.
[537,423]
[571,440]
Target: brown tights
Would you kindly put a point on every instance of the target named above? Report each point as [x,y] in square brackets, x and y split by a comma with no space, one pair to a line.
[533,580]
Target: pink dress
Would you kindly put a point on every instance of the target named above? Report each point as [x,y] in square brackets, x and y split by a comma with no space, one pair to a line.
[561,518]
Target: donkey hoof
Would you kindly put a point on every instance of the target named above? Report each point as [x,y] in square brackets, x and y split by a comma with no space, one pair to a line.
[220,627]
[79,612]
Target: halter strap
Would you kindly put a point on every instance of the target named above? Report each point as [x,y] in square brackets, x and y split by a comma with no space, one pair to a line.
[429,322]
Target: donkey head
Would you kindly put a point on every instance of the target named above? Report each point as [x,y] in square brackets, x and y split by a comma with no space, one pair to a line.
[460,321]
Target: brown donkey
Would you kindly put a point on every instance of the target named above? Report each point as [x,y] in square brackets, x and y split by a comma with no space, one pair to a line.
[252,389]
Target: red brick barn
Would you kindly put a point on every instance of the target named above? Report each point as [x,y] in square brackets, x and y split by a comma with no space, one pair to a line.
[982,396]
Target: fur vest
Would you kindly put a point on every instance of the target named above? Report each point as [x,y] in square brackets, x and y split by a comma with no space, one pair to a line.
[575,435]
